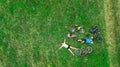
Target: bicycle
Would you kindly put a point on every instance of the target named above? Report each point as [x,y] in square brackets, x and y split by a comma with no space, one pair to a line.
[96,34]
[80,52]
[77,28]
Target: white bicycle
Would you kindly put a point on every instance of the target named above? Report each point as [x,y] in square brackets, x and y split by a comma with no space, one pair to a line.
[83,52]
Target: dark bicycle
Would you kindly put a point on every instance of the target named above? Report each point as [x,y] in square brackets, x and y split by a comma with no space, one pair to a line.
[97,36]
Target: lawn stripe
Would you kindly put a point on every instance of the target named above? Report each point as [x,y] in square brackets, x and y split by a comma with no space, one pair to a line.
[110,35]
[118,28]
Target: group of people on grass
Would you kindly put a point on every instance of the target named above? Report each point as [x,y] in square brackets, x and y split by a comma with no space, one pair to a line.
[87,40]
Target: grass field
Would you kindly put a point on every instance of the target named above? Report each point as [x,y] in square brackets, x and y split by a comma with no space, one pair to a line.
[31,32]
[116,7]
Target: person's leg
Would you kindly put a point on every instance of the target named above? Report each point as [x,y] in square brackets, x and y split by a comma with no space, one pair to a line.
[73,35]
[72,47]
[79,40]
[83,40]
[71,52]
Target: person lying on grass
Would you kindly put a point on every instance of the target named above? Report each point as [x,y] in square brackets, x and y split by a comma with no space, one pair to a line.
[70,35]
[88,40]
[68,47]
[77,28]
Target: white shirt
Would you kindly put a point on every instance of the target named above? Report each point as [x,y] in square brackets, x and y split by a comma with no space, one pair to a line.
[64,45]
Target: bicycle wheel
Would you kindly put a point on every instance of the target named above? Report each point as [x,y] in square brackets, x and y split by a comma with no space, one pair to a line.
[72,29]
[89,49]
[100,38]
[77,52]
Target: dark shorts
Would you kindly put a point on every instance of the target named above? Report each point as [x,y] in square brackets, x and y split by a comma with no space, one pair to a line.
[68,47]
[84,40]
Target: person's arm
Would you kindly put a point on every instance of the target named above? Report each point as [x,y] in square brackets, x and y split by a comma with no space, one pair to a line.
[71,52]
[64,40]
[92,42]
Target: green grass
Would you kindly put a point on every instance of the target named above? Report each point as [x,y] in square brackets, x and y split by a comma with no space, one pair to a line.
[117,27]
[31,31]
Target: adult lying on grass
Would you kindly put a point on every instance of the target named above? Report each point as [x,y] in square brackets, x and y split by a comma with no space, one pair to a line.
[88,40]
[68,47]
[70,35]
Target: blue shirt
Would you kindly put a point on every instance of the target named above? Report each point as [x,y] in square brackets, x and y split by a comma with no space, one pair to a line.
[88,40]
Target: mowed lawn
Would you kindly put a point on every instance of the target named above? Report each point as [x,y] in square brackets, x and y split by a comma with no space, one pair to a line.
[31,33]
[116,12]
